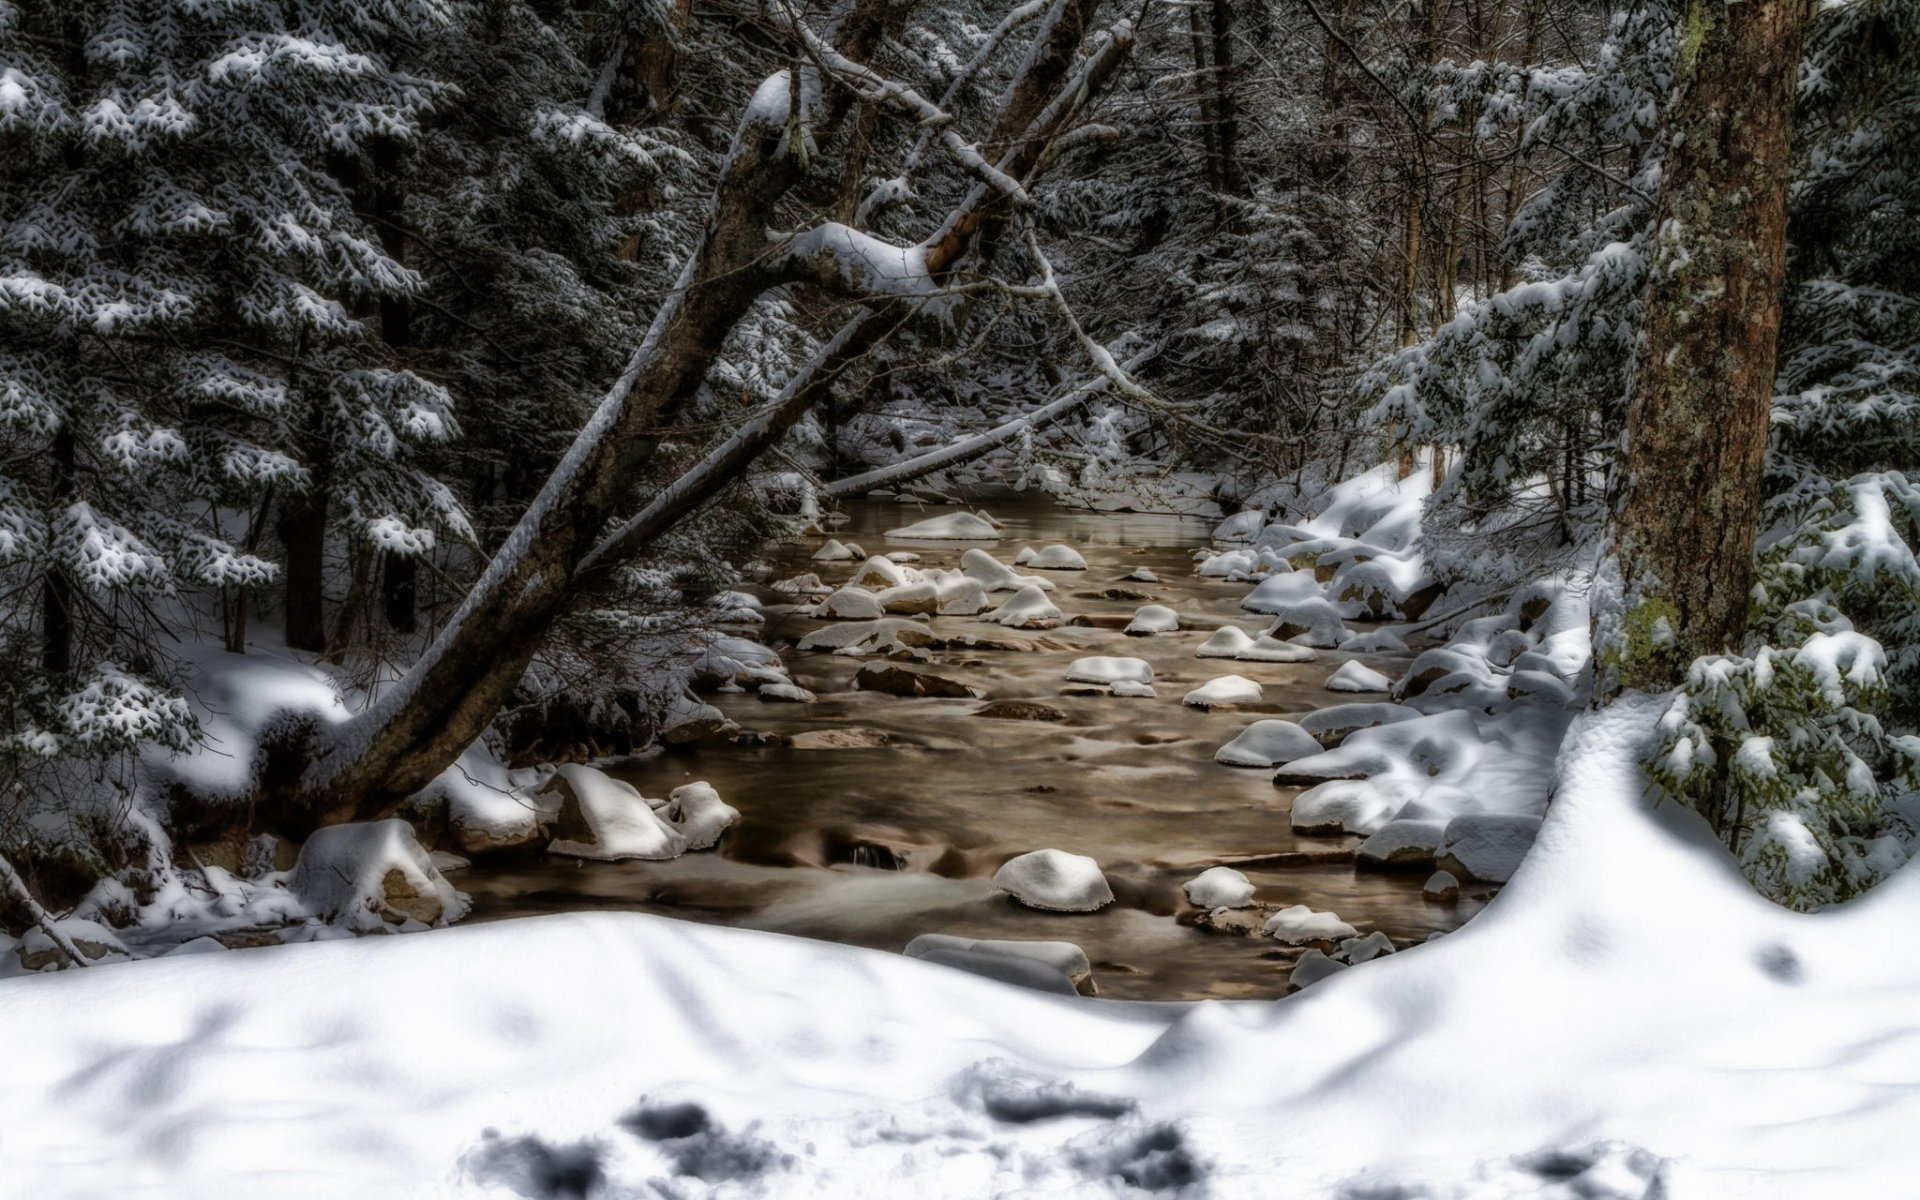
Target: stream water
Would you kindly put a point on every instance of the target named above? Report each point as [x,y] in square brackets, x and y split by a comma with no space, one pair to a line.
[877,844]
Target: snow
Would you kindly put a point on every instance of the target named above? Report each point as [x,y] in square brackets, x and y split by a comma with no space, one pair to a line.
[833,551]
[1343,806]
[1104,669]
[1268,649]
[997,576]
[698,812]
[620,821]
[954,527]
[363,875]
[1312,967]
[1219,887]
[1053,558]
[1153,618]
[1054,880]
[1267,744]
[1356,676]
[1225,642]
[1028,608]
[850,604]
[1335,722]
[1241,526]
[1141,575]
[1132,688]
[1224,690]
[1297,924]
[787,693]
[1010,961]
[1488,846]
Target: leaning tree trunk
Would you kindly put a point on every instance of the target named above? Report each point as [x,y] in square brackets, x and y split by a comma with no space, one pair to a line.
[1687,505]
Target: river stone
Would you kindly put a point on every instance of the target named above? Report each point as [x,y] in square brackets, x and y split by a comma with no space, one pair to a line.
[1312,968]
[1054,881]
[1440,887]
[1021,710]
[1298,925]
[847,738]
[1151,619]
[1330,726]
[1267,744]
[1224,691]
[1403,843]
[1219,887]
[898,681]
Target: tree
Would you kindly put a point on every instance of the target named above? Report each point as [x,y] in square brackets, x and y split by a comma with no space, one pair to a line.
[1687,514]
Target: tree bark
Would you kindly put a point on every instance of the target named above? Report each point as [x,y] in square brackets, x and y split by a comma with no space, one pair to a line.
[1687,508]
[56,590]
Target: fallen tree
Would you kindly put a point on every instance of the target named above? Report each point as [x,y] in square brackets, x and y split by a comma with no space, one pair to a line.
[561,550]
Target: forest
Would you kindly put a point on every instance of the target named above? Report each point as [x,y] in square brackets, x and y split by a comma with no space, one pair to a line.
[1192,598]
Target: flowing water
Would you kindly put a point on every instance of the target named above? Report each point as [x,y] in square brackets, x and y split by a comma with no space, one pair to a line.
[876,844]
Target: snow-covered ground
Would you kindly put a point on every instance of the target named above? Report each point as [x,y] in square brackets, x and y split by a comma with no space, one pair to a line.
[1628,1019]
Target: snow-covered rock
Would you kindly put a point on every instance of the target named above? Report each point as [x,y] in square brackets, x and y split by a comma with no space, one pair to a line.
[1241,526]
[1225,642]
[1441,886]
[1301,611]
[1054,880]
[785,693]
[1151,619]
[1224,690]
[867,637]
[961,597]
[953,527]
[1488,846]
[1267,744]
[608,819]
[1312,967]
[489,807]
[833,551]
[1404,842]
[1366,949]
[1009,961]
[1027,608]
[1297,925]
[908,599]
[1356,676]
[1132,689]
[698,812]
[1268,649]
[850,604]
[878,573]
[365,874]
[997,576]
[802,585]
[1343,806]
[1334,724]
[1219,887]
[1141,575]
[1100,668]
[1054,558]
[94,941]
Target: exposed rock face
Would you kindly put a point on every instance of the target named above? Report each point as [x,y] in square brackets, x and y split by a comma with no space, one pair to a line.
[898,681]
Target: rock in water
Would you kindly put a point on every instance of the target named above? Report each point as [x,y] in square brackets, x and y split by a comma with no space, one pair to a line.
[1440,887]
[833,551]
[1356,676]
[1220,887]
[1312,968]
[898,681]
[1151,619]
[1225,642]
[850,604]
[1267,744]
[997,576]
[1227,689]
[1297,925]
[954,527]
[699,813]
[1141,575]
[1055,881]
[1403,842]
[1331,726]
[1366,949]
[1269,649]
[607,819]
[1487,846]
[1021,710]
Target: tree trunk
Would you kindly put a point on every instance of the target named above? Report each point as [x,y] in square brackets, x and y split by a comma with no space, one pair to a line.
[1687,508]
[1226,109]
[56,590]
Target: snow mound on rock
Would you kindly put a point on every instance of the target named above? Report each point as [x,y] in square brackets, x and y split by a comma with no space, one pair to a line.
[1153,618]
[1219,887]
[698,812]
[1027,608]
[1225,642]
[366,874]
[833,551]
[1009,961]
[1054,880]
[1356,676]
[618,822]
[1297,924]
[1053,558]
[1267,744]
[1269,649]
[1101,668]
[997,576]
[1227,689]
[953,527]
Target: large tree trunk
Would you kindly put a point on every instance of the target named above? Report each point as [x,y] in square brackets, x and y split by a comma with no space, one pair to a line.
[422,724]
[1688,501]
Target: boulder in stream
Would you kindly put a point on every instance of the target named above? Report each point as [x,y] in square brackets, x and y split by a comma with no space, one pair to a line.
[1267,744]
[1055,881]
[1219,887]
[1225,691]
[1021,710]
[954,527]
[1151,619]
[896,680]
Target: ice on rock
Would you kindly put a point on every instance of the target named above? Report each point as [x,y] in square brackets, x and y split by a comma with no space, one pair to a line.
[1055,558]
[1488,846]
[1227,689]
[1054,880]
[1297,925]
[365,874]
[1241,526]
[1141,575]
[1356,676]
[609,820]
[851,604]
[1151,619]
[1028,608]
[1009,961]
[1225,642]
[1269,649]
[1312,968]
[1220,887]
[699,813]
[997,576]
[954,527]
[1267,744]
[833,551]
[1103,669]
[1366,949]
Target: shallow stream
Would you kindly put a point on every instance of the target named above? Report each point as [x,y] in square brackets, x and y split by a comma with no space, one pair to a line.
[876,844]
